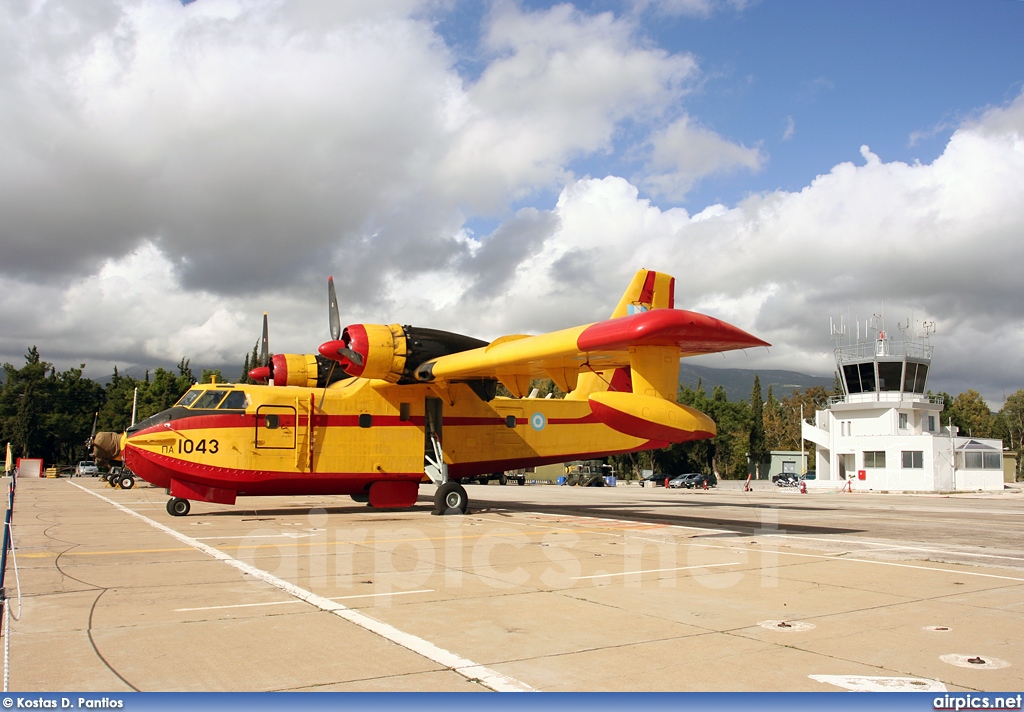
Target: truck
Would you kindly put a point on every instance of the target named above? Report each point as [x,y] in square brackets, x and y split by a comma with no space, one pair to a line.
[587,473]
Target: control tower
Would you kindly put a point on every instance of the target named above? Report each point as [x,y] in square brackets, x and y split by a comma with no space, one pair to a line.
[877,367]
[885,432]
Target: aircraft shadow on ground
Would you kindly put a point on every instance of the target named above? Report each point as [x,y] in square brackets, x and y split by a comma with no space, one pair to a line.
[686,518]
[654,511]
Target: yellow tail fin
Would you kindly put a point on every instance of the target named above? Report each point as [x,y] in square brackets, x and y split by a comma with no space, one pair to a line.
[648,290]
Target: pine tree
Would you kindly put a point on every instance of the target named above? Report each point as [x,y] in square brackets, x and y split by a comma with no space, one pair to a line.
[758,450]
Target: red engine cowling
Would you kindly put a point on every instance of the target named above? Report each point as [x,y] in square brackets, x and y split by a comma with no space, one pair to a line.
[370,351]
[289,370]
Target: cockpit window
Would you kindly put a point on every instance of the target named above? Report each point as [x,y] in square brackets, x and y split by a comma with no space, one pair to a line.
[209,399]
[189,397]
[236,400]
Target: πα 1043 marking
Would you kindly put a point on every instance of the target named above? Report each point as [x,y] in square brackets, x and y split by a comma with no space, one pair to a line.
[187,446]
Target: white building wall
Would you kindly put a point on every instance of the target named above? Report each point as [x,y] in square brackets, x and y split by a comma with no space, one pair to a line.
[846,433]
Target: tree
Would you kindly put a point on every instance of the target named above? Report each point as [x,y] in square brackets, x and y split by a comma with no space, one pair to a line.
[208,376]
[251,361]
[729,457]
[116,412]
[758,448]
[1011,417]
[970,414]
[777,428]
[47,414]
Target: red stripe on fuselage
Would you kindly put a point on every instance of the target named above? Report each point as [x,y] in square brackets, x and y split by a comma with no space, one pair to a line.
[235,420]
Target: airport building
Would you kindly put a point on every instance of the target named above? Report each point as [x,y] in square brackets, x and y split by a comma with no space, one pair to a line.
[884,432]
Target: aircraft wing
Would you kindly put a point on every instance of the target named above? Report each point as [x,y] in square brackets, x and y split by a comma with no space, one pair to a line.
[604,345]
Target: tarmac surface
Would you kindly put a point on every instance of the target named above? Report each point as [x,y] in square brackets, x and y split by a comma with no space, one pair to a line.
[538,588]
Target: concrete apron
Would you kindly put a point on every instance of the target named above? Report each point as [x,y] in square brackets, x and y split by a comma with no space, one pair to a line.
[539,588]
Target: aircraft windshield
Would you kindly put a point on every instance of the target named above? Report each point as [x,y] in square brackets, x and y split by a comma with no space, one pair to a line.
[189,397]
[236,400]
[209,399]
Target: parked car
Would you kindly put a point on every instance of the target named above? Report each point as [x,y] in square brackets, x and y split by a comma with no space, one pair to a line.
[87,468]
[684,480]
[655,480]
[693,480]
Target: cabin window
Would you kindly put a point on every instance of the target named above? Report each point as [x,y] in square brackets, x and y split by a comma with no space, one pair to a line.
[209,399]
[365,420]
[271,422]
[874,459]
[913,460]
[189,398]
[510,421]
[404,412]
[236,400]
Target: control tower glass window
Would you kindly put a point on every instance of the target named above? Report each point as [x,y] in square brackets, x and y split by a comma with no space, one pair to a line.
[890,375]
[867,376]
[920,376]
[852,375]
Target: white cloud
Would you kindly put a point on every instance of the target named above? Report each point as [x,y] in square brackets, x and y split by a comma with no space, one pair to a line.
[683,153]
[166,174]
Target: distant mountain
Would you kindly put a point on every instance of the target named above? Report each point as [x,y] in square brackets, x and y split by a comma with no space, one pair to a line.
[739,382]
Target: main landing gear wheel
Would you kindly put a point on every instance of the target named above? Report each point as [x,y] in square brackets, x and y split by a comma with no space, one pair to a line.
[178,507]
[451,498]
[127,482]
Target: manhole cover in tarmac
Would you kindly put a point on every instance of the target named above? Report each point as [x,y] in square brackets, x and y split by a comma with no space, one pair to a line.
[978,662]
[868,683]
[787,626]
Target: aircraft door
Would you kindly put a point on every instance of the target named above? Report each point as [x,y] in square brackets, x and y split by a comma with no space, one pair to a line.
[275,427]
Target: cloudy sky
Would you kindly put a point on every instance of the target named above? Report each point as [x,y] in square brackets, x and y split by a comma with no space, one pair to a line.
[169,171]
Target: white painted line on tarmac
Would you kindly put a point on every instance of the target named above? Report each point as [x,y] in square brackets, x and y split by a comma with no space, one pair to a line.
[279,603]
[236,605]
[467,668]
[652,571]
[283,535]
[942,550]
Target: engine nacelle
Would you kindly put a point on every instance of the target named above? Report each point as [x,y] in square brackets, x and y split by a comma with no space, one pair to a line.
[295,370]
[392,353]
[306,370]
[370,351]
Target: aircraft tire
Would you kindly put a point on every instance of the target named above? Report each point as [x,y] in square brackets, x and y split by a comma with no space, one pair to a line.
[521,481]
[451,498]
[360,498]
[178,507]
[127,481]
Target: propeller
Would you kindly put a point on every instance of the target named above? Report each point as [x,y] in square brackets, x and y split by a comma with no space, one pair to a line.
[332,310]
[336,348]
[92,435]
[264,373]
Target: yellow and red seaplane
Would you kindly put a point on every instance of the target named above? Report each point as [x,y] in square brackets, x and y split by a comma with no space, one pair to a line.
[381,406]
